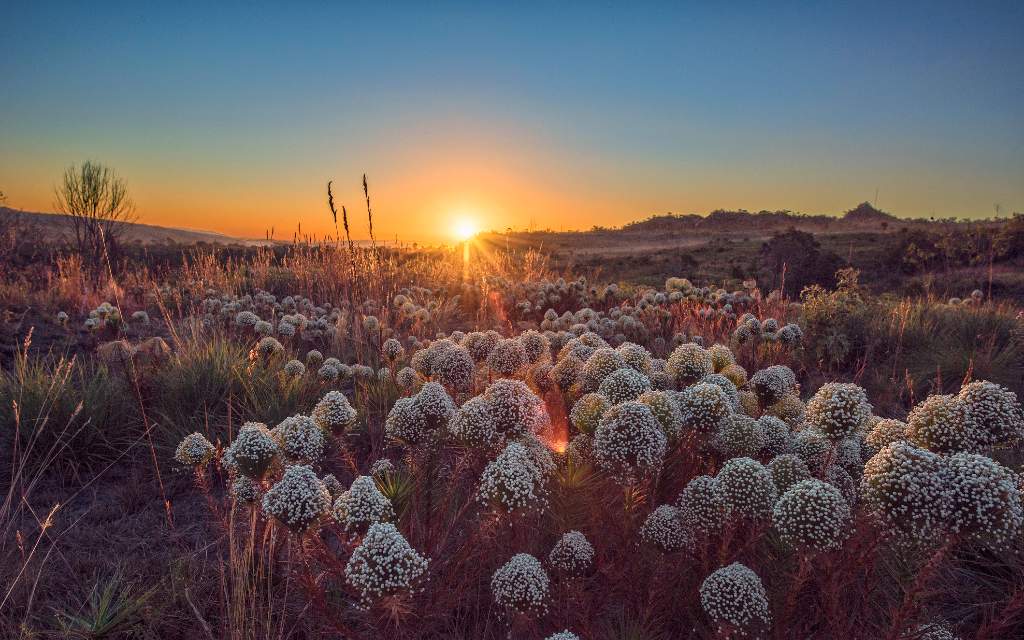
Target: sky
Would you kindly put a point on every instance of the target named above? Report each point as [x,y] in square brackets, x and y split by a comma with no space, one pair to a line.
[232,117]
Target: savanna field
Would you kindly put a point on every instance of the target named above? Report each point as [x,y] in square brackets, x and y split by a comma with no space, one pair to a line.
[319,440]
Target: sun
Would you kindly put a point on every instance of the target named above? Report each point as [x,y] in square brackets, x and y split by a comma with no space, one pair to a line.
[464,229]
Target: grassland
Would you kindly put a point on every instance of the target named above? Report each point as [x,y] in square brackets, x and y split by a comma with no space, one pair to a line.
[110,528]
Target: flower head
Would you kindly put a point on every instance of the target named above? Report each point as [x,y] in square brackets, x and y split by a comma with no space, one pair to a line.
[298,499]
[521,585]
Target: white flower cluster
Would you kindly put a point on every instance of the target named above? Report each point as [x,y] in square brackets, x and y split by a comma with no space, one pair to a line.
[739,435]
[772,383]
[734,595]
[516,409]
[663,405]
[301,439]
[776,435]
[727,385]
[838,410]
[938,424]
[984,499]
[452,367]
[479,344]
[580,449]
[392,350]
[635,357]
[382,467]
[294,368]
[384,564]
[572,554]
[789,408]
[246,319]
[253,450]
[688,363]
[703,407]
[507,358]
[521,585]
[587,412]
[563,635]
[333,413]
[362,505]
[435,405]
[992,413]
[665,529]
[601,363]
[702,505]
[245,489]
[194,450]
[721,357]
[473,425]
[748,487]
[812,516]
[813,448]
[514,481]
[333,485]
[629,442]
[298,499]
[269,347]
[623,385]
[406,422]
[905,487]
[788,469]
[883,433]
[536,345]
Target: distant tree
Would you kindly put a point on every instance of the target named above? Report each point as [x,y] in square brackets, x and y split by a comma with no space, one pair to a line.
[96,200]
[802,258]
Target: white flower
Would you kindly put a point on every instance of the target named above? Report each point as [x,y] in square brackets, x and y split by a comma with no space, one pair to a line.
[735,595]
[601,363]
[906,488]
[572,554]
[629,442]
[703,407]
[739,435]
[521,585]
[812,516]
[939,424]
[587,411]
[333,413]
[245,489]
[665,528]
[513,481]
[787,469]
[194,450]
[294,368]
[702,505]
[984,499]
[623,385]
[383,564]
[301,439]
[838,410]
[473,424]
[992,414]
[362,505]
[688,364]
[771,383]
[516,409]
[507,357]
[298,499]
[748,487]
[253,449]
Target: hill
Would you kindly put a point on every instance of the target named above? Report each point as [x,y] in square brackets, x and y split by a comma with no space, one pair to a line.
[54,227]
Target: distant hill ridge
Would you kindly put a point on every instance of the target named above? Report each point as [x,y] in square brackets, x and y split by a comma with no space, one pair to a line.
[863,214]
[55,225]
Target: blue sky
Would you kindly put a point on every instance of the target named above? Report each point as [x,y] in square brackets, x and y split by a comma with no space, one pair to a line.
[566,115]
